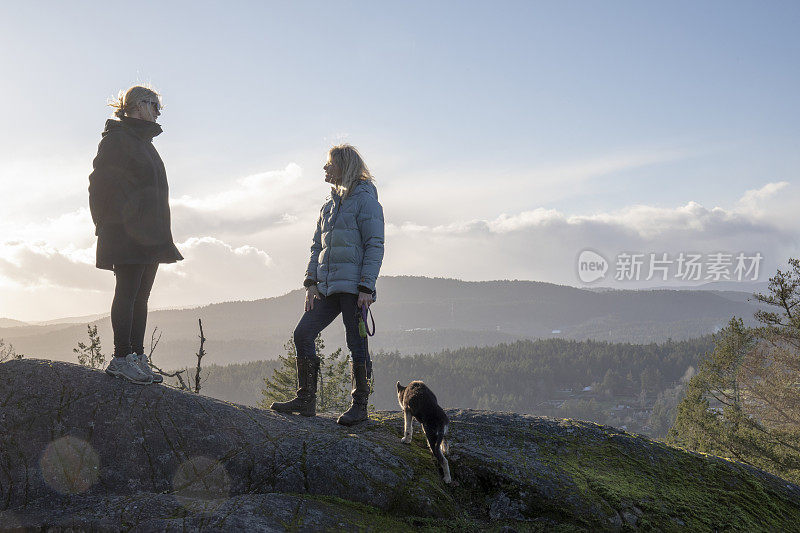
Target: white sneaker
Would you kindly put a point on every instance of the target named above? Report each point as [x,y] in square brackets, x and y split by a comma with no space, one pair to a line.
[128,367]
[144,366]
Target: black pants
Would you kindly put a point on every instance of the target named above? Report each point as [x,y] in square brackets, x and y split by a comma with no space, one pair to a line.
[323,313]
[129,310]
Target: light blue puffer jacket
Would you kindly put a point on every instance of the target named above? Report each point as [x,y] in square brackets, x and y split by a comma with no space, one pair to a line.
[347,250]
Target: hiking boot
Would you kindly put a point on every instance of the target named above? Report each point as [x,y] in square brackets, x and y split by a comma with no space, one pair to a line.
[128,368]
[305,402]
[144,366]
[358,409]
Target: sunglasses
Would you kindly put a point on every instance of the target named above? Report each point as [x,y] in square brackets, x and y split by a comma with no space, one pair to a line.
[156,105]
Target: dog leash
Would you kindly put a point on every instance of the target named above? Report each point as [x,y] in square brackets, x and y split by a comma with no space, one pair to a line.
[364,332]
[321,384]
[363,329]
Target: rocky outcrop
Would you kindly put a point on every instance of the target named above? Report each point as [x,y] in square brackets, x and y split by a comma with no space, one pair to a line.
[81,450]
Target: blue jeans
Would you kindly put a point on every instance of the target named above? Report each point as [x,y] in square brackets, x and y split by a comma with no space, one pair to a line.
[320,317]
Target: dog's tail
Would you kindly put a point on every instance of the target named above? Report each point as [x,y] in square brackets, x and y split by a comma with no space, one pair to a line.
[443,445]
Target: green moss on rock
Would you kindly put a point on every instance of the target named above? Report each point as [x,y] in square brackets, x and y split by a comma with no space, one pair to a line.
[522,472]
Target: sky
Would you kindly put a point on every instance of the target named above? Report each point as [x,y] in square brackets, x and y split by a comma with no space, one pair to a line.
[506,138]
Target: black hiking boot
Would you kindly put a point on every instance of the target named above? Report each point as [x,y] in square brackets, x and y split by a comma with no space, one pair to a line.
[358,409]
[305,403]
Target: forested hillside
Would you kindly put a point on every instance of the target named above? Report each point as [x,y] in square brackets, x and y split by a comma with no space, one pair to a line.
[623,381]
[421,315]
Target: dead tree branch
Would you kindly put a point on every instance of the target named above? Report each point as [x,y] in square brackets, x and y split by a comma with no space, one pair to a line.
[177,374]
[200,355]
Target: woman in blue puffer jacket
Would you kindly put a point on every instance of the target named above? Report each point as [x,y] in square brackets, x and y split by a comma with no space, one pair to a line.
[346,257]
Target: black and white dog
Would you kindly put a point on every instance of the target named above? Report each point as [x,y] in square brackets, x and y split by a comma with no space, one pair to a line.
[418,401]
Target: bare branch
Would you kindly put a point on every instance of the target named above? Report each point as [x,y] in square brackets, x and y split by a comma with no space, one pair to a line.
[200,355]
[153,343]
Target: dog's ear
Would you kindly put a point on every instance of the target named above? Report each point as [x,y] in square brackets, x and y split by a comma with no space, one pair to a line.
[400,388]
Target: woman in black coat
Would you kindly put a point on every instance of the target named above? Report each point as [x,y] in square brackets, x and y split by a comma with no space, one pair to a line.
[129,201]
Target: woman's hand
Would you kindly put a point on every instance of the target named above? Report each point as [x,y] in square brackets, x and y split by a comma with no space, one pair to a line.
[364,299]
[312,293]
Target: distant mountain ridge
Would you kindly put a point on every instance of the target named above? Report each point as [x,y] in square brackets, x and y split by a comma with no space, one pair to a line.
[11,323]
[722,285]
[421,315]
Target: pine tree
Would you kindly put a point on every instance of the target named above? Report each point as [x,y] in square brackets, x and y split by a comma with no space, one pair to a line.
[282,386]
[7,352]
[333,382]
[90,355]
[744,402]
[664,410]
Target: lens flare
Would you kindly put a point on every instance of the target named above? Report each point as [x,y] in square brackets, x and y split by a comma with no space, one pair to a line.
[70,465]
[203,480]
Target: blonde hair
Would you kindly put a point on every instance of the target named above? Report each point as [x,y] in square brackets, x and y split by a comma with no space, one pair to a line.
[353,168]
[126,100]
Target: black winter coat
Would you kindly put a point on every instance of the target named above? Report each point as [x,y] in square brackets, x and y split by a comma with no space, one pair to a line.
[129,197]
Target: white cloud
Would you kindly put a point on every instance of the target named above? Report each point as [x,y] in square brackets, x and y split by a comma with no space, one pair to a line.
[213,270]
[47,263]
[39,281]
[754,201]
[543,244]
[441,195]
[249,238]
[247,206]
[38,265]
[243,199]
[69,230]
